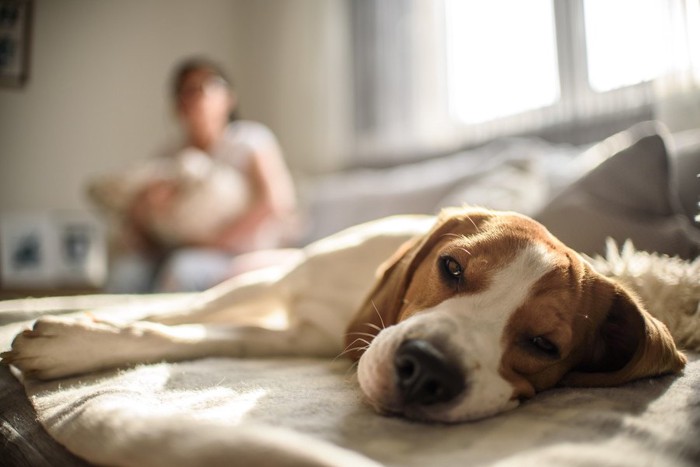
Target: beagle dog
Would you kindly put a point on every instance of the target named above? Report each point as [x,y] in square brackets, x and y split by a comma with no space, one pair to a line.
[473,311]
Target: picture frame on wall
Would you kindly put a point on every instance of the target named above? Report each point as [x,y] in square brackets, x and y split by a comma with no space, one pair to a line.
[79,241]
[27,256]
[51,251]
[15,35]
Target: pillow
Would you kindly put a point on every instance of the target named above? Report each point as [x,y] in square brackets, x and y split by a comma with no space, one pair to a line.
[627,196]
[686,158]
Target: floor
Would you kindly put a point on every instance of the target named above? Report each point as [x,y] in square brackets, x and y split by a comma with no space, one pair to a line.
[23,441]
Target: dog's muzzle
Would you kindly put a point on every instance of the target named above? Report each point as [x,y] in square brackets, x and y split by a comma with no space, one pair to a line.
[425,375]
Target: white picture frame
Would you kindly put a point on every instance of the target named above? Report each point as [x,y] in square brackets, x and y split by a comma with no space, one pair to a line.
[81,250]
[26,253]
[52,250]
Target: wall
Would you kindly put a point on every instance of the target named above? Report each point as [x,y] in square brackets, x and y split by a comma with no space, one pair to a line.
[97,96]
[294,75]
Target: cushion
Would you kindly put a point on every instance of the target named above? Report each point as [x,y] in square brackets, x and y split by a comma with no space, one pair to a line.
[629,195]
[686,158]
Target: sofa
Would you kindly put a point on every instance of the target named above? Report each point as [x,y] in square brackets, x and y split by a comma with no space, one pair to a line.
[640,185]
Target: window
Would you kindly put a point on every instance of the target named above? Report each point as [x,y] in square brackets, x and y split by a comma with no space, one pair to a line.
[622,56]
[500,64]
[510,57]
[452,73]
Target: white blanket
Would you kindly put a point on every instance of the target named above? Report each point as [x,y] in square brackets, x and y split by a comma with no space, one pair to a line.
[310,412]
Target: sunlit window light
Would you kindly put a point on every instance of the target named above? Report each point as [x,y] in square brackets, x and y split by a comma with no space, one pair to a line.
[501,57]
[625,41]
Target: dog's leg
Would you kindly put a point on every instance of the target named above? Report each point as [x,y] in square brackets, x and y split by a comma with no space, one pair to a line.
[236,299]
[59,346]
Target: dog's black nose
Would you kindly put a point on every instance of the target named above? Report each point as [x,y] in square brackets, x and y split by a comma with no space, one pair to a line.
[425,375]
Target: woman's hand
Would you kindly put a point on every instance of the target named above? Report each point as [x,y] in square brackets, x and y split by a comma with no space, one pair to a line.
[153,200]
[158,197]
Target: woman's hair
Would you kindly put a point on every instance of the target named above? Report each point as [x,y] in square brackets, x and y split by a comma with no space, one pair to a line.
[189,65]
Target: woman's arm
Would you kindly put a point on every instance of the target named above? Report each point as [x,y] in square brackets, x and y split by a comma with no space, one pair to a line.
[274,198]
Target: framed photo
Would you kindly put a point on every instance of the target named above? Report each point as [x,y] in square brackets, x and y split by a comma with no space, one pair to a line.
[81,250]
[52,250]
[15,29]
[26,254]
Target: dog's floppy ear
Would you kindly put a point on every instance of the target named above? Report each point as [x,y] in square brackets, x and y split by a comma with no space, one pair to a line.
[629,344]
[383,305]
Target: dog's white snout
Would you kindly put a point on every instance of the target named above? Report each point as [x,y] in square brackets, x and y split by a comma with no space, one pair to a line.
[439,365]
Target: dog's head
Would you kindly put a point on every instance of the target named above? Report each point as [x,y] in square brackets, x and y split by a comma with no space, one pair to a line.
[489,308]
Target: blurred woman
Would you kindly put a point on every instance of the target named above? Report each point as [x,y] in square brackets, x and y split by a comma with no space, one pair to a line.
[206,106]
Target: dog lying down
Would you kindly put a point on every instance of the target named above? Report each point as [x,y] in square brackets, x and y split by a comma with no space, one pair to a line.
[472,312]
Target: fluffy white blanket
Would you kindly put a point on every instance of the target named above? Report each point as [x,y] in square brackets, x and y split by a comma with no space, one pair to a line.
[310,412]
[307,412]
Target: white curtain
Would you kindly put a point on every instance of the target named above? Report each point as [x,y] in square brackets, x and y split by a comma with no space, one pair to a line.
[677,92]
[400,92]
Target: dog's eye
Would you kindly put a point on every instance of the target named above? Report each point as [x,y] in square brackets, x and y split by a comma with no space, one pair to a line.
[545,346]
[450,268]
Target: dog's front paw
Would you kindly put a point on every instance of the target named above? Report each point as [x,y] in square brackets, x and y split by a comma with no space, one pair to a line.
[57,347]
